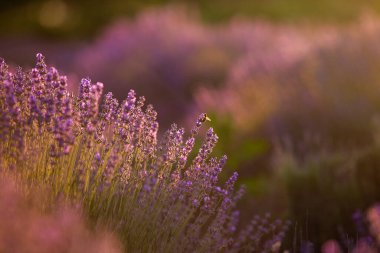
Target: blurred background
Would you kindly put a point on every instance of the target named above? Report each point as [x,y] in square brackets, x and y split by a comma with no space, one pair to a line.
[292,88]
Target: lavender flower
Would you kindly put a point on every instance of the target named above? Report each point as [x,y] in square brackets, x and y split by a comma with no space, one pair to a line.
[110,159]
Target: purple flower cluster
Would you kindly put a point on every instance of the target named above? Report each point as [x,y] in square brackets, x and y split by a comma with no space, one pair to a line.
[37,99]
[144,188]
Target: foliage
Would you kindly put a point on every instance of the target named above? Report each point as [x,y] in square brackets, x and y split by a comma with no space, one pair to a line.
[83,18]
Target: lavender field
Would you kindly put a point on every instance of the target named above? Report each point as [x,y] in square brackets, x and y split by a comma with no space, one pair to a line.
[157,130]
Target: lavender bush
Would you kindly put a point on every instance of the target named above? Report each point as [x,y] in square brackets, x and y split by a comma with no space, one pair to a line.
[323,96]
[109,159]
[188,54]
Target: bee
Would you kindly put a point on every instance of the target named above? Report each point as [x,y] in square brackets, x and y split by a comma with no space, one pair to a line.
[204,118]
